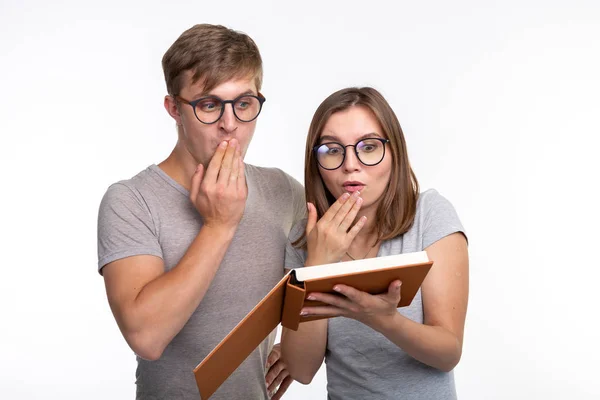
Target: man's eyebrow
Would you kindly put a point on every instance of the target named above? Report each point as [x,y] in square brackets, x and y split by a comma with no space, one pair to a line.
[336,139]
[206,94]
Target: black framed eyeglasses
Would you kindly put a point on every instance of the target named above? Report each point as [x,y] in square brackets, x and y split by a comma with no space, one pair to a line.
[209,109]
[331,155]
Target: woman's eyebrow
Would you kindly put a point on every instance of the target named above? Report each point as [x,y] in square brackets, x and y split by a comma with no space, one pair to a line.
[369,135]
[328,137]
[336,139]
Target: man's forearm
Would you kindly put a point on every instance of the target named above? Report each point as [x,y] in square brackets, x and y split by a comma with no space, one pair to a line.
[165,304]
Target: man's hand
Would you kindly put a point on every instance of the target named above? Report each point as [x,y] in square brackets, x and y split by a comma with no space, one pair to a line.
[277,377]
[219,193]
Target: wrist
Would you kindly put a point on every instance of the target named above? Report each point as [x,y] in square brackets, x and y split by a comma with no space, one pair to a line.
[311,262]
[386,323]
[220,231]
[316,257]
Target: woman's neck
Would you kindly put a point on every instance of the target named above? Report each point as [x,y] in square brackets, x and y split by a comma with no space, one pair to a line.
[368,234]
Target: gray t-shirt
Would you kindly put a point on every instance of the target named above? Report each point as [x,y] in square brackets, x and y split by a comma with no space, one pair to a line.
[364,364]
[152,214]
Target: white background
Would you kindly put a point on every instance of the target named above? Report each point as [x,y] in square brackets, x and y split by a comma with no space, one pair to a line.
[499,102]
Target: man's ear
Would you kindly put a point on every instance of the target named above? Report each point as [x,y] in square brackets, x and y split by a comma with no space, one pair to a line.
[172,108]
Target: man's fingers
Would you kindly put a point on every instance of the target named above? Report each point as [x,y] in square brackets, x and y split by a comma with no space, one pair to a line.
[235,166]
[227,163]
[212,172]
[312,218]
[284,374]
[196,181]
[274,371]
[282,388]
[241,181]
[274,355]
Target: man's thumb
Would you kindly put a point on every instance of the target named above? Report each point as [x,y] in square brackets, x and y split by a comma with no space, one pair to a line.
[196,181]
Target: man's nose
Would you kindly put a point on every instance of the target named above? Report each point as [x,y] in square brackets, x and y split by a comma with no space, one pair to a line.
[228,121]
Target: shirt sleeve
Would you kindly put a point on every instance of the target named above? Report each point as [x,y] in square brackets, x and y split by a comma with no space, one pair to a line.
[441,218]
[125,226]
[295,256]
[299,200]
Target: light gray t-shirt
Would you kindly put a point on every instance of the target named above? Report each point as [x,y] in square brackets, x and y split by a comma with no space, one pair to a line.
[152,214]
[364,364]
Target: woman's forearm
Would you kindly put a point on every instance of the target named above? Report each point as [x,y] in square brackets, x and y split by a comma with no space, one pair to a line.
[303,350]
[432,345]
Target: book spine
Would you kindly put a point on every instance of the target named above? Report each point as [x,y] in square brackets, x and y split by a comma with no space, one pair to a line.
[293,303]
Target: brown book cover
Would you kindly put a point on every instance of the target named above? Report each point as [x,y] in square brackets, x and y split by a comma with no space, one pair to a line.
[284,302]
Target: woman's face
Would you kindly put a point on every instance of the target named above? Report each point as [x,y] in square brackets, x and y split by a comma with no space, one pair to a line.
[348,127]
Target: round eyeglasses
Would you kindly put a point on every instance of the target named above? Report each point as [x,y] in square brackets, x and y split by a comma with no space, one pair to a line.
[331,155]
[209,109]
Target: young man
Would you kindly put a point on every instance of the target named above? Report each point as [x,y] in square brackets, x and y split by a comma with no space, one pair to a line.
[187,247]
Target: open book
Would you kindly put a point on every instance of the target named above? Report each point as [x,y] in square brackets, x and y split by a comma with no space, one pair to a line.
[284,302]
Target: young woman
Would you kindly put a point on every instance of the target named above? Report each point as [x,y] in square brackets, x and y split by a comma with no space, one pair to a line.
[364,201]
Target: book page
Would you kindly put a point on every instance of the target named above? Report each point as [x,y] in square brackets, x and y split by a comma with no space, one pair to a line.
[348,267]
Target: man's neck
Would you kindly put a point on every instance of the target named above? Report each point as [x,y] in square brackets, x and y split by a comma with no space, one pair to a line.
[180,166]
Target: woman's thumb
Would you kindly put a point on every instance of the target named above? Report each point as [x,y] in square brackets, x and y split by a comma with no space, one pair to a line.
[312,218]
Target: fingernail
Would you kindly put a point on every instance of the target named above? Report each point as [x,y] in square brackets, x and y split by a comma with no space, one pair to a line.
[345,196]
[303,312]
[198,167]
[310,297]
[356,194]
[224,144]
[336,288]
[359,201]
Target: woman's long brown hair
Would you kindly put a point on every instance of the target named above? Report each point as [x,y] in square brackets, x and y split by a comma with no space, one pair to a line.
[396,211]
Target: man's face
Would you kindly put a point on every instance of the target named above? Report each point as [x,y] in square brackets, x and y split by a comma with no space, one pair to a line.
[201,140]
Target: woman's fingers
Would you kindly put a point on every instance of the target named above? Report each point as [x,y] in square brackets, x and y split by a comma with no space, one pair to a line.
[345,209]
[335,207]
[356,228]
[334,300]
[351,215]
[324,311]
